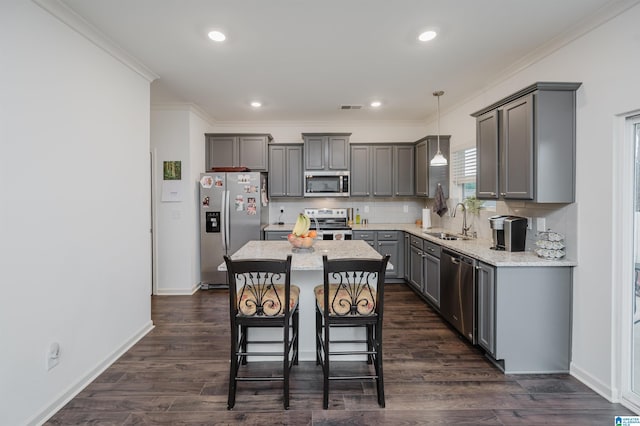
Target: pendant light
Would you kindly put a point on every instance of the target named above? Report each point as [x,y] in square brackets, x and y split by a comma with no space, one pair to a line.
[438,159]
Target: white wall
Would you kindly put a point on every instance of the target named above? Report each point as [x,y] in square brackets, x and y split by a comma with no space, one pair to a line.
[74,210]
[177,134]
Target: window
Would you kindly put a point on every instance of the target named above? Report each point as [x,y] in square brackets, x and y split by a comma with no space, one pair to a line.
[464,175]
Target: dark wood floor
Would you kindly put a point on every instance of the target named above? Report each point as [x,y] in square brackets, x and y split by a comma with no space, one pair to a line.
[178,374]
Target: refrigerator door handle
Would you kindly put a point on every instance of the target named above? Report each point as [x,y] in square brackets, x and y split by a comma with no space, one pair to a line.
[227,227]
[223,219]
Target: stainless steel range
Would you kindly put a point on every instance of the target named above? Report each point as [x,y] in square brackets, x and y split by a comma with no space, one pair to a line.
[331,223]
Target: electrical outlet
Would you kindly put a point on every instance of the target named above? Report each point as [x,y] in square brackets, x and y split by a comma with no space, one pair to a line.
[541,224]
[405,208]
[366,209]
[53,355]
[529,223]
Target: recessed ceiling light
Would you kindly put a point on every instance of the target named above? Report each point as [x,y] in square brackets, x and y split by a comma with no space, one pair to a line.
[217,36]
[256,104]
[427,35]
[375,104]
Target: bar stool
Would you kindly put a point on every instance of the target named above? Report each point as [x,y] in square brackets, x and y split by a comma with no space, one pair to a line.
[258,295]
[352,295]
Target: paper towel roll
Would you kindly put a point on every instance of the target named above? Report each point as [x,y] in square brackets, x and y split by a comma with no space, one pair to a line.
[426,218]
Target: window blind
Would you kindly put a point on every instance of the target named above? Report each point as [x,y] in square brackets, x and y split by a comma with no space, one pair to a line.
[464,166]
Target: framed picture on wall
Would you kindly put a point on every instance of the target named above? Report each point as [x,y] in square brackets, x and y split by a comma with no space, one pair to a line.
[172,170]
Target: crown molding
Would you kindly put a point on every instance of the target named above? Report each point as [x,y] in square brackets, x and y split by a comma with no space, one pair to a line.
[77,23]
[183,106]
[324,124]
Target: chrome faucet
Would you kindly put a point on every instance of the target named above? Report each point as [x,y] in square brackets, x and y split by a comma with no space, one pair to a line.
[465,228]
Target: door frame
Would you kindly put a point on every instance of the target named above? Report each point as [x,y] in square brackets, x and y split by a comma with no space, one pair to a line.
[622,259]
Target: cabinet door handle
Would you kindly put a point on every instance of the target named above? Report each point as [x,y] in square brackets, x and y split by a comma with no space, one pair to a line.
[493,193]
[502,194]
[379,244]
[387,236]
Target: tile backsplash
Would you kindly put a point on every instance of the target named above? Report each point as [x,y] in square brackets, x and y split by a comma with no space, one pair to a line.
[558,217]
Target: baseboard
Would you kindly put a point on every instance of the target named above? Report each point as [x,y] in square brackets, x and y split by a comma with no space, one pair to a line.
[598,386]
[631,405]
[75,389]
[177,291]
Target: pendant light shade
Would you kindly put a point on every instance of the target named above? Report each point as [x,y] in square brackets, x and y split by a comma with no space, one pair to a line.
[438,159]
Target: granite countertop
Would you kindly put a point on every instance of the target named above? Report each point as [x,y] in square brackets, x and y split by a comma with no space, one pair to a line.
[477,248]
[305,261]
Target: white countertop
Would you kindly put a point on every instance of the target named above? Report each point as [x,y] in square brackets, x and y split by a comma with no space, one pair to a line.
[305,261]
[477,248]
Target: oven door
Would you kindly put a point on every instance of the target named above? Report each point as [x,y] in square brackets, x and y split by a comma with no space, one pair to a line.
[337,234]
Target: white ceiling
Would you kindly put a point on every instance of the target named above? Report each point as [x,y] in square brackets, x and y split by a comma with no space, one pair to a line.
[304,58]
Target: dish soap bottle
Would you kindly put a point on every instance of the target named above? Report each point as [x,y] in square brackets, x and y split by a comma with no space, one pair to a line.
[357,216]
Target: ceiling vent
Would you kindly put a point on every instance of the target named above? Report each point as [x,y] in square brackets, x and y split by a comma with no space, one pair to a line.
[350,106]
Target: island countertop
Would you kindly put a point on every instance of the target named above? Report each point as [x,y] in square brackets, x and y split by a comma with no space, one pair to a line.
[305,261]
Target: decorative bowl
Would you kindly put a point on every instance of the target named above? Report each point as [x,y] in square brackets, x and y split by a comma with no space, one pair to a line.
[301,244]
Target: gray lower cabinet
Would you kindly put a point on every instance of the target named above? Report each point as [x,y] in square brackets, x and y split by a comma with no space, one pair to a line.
[386,242]
[431,273]
[428,177]
[526,145]
[531,310]
[276,235]
[237,150]
[326,151]
[406,258]
[486,307]
[285,170]
[391,243]
[368,236]
[416,269]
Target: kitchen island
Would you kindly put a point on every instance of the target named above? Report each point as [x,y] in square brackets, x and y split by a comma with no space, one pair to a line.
[306,273]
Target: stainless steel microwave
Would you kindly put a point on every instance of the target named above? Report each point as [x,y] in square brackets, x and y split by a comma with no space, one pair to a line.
[326,184]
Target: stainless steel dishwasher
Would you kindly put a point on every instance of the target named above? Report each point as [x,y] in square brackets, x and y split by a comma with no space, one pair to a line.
[458,292]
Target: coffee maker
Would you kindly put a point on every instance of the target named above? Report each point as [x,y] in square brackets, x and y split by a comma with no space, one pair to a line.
[509,232]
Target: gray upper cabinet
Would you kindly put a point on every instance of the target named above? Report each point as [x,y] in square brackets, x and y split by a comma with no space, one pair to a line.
[428,177]
[285,170]
[326,151]
[237,150]
[382,170]
[404,174]
[526,145]
[517,149]
[360,180]
[487,130]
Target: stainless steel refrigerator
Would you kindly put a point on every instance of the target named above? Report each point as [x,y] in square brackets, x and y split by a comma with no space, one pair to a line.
[233,210]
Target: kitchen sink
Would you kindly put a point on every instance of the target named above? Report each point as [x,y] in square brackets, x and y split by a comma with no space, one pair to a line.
[447,236]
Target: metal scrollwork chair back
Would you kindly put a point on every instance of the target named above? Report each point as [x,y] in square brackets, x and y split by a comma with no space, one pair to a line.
[261,295]
[352,295]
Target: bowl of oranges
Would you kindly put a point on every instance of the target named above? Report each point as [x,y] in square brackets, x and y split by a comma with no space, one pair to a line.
[301,237]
